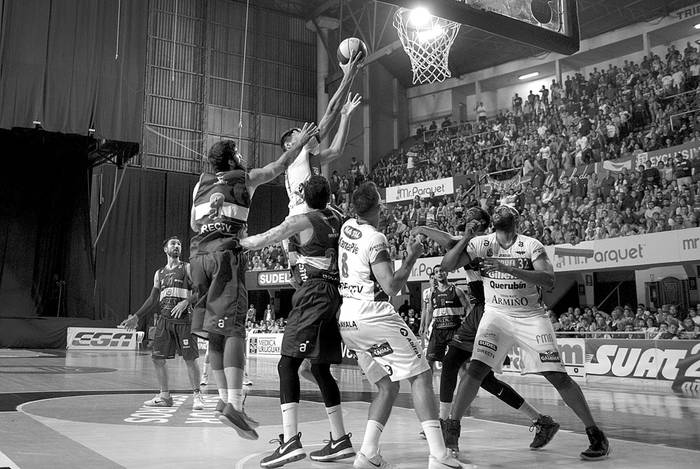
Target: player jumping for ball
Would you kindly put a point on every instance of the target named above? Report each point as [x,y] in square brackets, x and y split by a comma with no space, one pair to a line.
[515,268]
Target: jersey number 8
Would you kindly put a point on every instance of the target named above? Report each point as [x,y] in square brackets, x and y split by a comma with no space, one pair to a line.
[344,266]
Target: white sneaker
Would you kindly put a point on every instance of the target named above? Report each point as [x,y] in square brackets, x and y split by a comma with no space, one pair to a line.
[204,381]
[159,401]
[446,462]
[247,381]
[376,462]
[197,401]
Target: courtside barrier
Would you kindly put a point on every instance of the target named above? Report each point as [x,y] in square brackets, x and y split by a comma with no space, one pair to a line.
[85,338]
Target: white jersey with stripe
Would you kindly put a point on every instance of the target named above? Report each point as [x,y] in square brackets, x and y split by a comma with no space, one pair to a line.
[295,177]
[506,293]
[359,247]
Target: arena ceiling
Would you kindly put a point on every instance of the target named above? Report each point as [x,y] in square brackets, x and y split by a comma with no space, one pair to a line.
[473,49]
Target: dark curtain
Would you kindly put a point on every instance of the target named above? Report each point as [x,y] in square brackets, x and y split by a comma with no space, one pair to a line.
[45,252]
[58,65]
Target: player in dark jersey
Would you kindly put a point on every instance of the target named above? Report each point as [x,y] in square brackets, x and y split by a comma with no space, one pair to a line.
[220,204]
[461,347]
[312,330]
[172,294]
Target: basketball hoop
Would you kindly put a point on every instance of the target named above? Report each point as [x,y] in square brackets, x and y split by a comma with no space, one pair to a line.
[427,40]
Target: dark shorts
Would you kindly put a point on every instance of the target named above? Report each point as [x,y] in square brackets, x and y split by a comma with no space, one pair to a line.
[466,333]
[437,345]
[218,280]
[312,326]
[171,337]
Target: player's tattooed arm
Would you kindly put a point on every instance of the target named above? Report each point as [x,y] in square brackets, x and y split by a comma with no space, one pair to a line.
[457,256]
[267,173]
[339,97]
[443,238]
[287,229]
[338,144]
[542,275]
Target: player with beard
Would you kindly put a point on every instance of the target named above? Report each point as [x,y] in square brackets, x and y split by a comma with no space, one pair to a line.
[172,293]
[312,329]
[461,346]
[220,204]
[515,269]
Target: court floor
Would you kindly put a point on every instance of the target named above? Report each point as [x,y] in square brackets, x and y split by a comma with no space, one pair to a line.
[85,409]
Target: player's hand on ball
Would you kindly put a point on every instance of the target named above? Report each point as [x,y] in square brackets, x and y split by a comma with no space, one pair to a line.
[130,323]
[307,132]
[414,248]
[179,308]
[351,104]
[354,64]
[471,227]
[493,265]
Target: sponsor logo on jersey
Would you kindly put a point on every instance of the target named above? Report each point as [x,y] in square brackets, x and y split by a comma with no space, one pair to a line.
[522,253]
[347,324]
[510,301]
[389,370]
[485,352]
[486,344]
[218,226]
[351,289]
[351,247]
[352,232]
[544,338]
[403,331]
[381,350]
[508,286]
[550,356]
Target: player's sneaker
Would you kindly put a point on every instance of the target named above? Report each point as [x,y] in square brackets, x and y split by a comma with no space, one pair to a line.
[445,462]
[451,429]
[197,401]
[205,380]
[236,420]
[251,421]
[159,401]
[546,429]
[288,451]
[246,380]
[421,435]
[334,449]
[220,404]
[600,448]
[375,462]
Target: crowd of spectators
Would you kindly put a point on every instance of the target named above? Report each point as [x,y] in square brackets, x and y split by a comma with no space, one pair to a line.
[622,110]
[667,322]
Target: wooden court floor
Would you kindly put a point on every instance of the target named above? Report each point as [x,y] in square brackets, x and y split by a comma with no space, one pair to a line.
[85,410]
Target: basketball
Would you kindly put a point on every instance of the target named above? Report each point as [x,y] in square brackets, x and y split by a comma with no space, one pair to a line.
[349,47]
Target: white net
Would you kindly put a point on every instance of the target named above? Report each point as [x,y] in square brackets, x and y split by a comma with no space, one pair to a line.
[427,40]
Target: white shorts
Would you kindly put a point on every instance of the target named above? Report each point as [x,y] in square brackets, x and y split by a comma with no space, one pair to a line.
[498,333]
[373,371]
[376,328]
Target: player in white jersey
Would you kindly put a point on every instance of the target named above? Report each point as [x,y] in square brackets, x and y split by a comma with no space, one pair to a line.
[310,159]
[515,268]
[369,323]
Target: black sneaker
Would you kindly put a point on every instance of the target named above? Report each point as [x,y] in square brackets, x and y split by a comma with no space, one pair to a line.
[451,430]
[288,451]
[599,449]
[334,449]
[236,420]
[546,429]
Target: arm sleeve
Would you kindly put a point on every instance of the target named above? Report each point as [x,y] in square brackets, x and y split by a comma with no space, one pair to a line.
[379,249]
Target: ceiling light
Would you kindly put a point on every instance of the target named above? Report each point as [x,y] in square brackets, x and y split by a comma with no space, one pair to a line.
[419,16]
[528,75]
[697,26]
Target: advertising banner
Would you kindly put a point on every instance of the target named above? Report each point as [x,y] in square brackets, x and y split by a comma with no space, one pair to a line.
[268,279]
[686,150]
[264,344]
[631,251]
[85,338]
[571,351]
[438,187]
[669,360]
[424,267]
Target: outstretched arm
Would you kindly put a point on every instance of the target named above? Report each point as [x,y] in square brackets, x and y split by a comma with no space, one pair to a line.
[443,238]
[457,256]
[383,269]
[132,321]
[338,144]
[336,102]
[259,176]
[288,228]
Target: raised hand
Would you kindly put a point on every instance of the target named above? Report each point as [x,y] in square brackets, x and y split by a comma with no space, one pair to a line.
[351,104]
[354,64]
[414,247]
[307,132]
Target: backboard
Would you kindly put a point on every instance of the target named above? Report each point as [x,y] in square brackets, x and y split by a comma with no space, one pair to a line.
[548,24]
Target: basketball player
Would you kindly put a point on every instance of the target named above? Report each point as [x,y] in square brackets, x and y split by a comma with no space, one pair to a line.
[221,200]
[515,268]
[460,348]
[171,292]
[448,305]
[426,295]
[369,323]
[312,330]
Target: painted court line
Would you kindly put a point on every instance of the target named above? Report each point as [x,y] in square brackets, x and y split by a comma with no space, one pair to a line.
[7,462]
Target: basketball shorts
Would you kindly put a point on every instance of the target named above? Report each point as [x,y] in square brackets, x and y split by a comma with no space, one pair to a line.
[498,333]
[375,328]
[463,338]
[218,280]
[312,329]
[437,345]
[171,337]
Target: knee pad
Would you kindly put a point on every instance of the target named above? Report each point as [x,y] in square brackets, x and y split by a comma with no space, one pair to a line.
[478,370]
